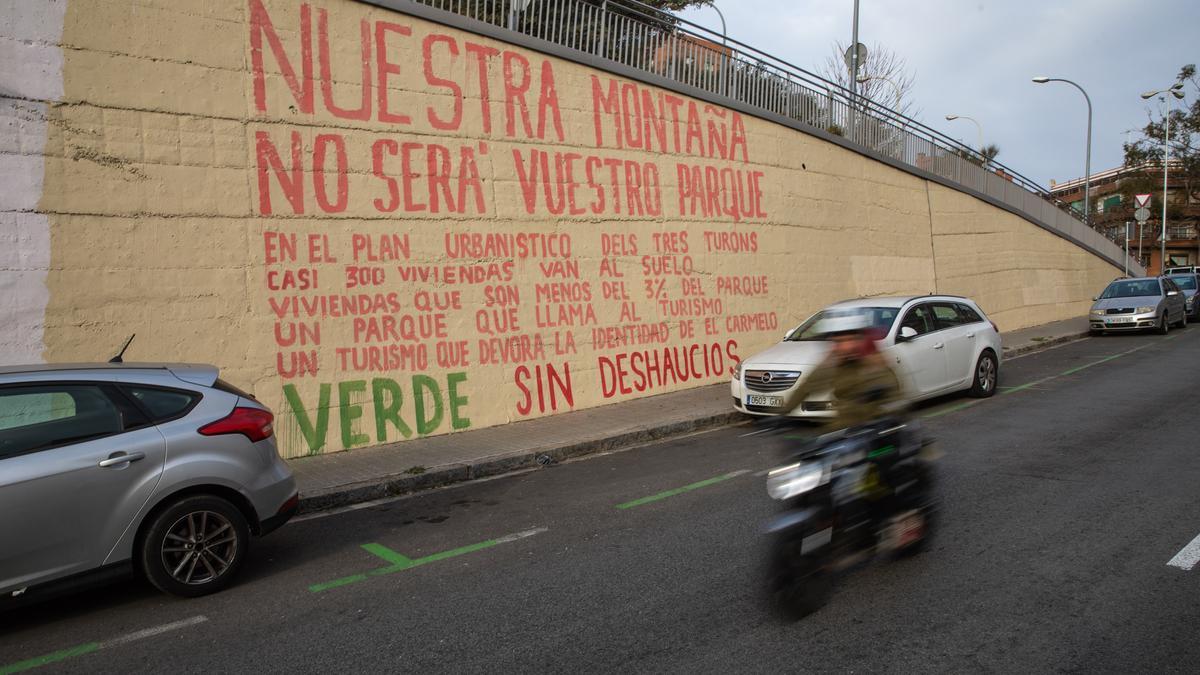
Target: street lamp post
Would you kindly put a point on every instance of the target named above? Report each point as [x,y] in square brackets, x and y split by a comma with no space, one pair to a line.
[854,58]
[978,128]
[1087,164]
[1176,91]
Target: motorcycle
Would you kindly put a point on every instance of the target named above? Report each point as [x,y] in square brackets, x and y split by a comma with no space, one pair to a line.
[848,496]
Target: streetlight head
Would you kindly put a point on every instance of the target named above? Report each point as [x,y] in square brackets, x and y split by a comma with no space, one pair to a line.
[951,117]
[1150,94]
[1176,93]
[1177,85]
[862,79]
[1041,79]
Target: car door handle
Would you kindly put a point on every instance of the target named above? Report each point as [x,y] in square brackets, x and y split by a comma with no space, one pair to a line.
[939,345]
[122,458]
[970,336]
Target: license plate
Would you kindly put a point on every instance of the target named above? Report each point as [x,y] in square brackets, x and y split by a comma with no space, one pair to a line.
[769,401]
[1121,319]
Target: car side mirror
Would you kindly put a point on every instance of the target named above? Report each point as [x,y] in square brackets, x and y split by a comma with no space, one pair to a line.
[906,333]
[1096,299]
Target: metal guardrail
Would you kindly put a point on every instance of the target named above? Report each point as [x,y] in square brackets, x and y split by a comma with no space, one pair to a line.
[644,38]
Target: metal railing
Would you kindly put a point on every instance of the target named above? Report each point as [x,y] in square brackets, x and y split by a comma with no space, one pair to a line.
[646,39]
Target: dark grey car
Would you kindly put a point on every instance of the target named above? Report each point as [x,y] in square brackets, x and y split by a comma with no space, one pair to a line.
[1188,284]
[160,467]
[1138,304]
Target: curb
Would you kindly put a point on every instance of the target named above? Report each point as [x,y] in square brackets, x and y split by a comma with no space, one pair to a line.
[1044,344]
[395,485]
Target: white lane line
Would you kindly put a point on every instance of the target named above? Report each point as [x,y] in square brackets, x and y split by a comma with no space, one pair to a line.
[759,474]
[345,509]
[755,433]
[521,535]
[1188,556]
[420,493]
[151,632]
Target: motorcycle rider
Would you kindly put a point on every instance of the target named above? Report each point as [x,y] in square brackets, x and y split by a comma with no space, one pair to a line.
[862,385]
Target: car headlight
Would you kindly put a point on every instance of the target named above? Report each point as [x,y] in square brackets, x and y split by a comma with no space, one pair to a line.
[1097,311]
[1145,310]
[796,479]
[736,371]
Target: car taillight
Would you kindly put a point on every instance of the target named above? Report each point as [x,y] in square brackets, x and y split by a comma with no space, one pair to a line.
[252,423]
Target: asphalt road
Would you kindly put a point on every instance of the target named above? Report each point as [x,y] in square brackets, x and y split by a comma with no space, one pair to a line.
[1065,497]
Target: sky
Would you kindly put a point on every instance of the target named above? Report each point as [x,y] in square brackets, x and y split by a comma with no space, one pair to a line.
[977,58]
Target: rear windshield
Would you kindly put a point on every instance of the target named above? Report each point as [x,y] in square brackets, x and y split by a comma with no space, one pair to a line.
[1132,288]
[1187,283]
[881,319]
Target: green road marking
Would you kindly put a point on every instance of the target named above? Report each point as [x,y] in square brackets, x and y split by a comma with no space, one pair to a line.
[1022,387]
[53,657]
[317,588]
[400,562]
[1072,371]
[678,491]
[389,555]
[436,557]
[953,408]
[1171,337]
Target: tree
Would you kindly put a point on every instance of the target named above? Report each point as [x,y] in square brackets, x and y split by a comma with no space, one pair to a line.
[1185,125]
[882,69]
[980,157]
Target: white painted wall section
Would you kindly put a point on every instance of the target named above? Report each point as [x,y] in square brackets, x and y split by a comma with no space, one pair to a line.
[30,80]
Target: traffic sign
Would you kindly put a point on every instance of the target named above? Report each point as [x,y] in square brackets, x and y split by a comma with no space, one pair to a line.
[1142,214]
[1142,200]
[862,56]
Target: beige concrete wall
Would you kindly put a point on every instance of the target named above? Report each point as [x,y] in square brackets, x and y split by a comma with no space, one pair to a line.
[172,211]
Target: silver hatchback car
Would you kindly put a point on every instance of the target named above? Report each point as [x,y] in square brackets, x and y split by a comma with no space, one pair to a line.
[160,467]
[1137,304]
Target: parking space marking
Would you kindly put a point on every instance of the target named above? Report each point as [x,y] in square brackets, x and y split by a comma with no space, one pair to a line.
[398,562]
[1188,556]
[89,647]
[680,490]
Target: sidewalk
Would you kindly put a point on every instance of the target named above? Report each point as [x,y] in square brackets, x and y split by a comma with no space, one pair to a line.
[1026,340]
[342,478]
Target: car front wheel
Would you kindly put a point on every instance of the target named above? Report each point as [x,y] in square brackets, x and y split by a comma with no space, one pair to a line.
[195,546]
[987,374]
[1164,326]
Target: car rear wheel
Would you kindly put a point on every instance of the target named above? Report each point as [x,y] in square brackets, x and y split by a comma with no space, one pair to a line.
[987,374]
[195,546]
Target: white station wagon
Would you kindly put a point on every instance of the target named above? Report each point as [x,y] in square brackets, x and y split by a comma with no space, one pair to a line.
[938,344]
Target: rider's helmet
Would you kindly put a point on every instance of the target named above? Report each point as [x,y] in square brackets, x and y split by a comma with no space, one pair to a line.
[854,323]
[842,322]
